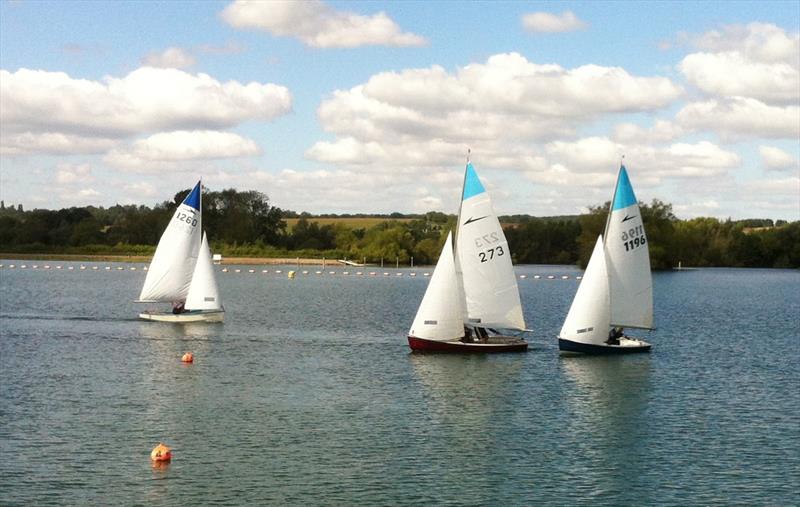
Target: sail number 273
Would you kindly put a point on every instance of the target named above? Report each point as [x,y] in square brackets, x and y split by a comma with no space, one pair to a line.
[183,217]
[633,238]
[490,254]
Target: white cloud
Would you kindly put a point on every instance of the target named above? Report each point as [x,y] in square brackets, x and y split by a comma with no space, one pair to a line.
[661,132]
[318,25]
[52,143]
[429,117]
[69,174]
[170,58]
[146,100]
[180,146]
[760,61]
[546,22]
[763,42]
[741,117]
[732,74]
[775,159]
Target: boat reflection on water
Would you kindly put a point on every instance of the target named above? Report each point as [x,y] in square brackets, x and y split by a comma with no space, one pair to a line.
[468,410]
[607,397]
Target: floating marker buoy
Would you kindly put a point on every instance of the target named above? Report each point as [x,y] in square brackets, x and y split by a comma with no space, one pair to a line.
[237,270]
[386,274]
[224,270]
[550,277]
[331,272]
[579,277]
[251,270]
[412,274]
[290,274]
[144,268]
[161,453]
[35,266]
[58,267]
[278,271]
[119,268]
[187,357]
[359,273]
[522,277]
[108,268]
[23,266]
[94,267]
[133,268]
[305,272]
[564,277]
[265,271]
[46,266]
[317,272]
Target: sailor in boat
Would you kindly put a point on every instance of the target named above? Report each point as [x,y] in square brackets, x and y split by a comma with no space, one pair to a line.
[614,335]
[178,307]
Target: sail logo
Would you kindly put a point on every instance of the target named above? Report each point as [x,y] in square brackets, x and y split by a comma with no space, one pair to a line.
[470,219]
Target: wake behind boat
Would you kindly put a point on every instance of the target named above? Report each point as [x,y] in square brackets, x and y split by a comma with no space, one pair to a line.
[617,288]
[473,291]
[182,271]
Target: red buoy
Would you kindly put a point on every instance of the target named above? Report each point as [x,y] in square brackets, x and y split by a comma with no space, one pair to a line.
[161,453]
[188,357]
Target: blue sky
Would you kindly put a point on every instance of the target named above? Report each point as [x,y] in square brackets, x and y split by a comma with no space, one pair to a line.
[371,106]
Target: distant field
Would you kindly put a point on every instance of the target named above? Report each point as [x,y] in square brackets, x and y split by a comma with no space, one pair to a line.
[353,223]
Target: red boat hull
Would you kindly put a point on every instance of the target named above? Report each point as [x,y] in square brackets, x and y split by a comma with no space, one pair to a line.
[494,344]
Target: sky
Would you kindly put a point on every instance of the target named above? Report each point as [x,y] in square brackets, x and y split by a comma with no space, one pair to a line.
[371,107]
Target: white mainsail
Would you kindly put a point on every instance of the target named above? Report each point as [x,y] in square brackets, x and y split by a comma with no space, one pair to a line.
[441,314]
[628,259]
[588,317]
[203,291]
[484,261]
[171,269]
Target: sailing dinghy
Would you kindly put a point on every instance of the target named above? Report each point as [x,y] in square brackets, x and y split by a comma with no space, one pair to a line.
[473,290]
[182,272]
[617,288]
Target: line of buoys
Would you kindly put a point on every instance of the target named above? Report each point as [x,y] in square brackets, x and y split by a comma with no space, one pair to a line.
[291,274]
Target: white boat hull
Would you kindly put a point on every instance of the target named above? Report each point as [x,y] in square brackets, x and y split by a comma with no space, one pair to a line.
[190,316]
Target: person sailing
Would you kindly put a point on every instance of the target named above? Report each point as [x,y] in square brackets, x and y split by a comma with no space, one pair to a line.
[614,335]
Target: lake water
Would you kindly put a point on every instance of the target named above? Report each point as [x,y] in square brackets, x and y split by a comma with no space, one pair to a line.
[308,395]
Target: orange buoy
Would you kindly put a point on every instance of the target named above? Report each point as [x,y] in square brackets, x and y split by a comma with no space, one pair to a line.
[161,453]
[188,358]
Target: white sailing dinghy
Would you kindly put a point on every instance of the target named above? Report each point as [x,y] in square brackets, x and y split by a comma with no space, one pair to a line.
[182,272]
[473,290]
[617,288]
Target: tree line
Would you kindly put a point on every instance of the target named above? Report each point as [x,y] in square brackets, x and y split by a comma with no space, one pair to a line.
[245,223]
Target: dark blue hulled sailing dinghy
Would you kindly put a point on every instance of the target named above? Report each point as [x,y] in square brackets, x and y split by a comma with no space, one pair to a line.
[617,287]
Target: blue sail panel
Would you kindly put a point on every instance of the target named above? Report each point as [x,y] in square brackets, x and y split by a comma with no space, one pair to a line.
[193,199]
[623,196]
[472,184]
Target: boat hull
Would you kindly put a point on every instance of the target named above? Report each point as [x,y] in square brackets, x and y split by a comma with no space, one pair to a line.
[493,344]
[190,316]
[626,346]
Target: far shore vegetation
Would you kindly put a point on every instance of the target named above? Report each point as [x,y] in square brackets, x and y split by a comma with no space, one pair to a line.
[246,224]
